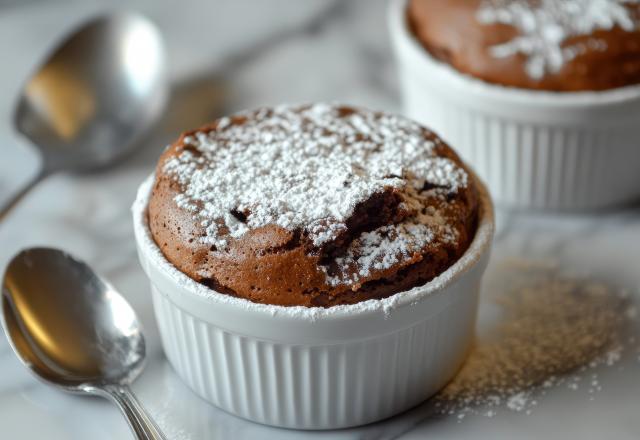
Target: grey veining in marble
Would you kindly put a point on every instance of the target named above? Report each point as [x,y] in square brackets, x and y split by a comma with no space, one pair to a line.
[228,55]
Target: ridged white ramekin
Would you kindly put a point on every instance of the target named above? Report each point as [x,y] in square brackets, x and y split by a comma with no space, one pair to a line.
[315,368]
[534,149]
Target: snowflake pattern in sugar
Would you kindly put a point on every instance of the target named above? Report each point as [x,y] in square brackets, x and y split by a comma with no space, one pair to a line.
[545,25]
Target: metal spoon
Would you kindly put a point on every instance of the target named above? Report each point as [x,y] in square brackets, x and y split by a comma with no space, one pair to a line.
[86,106]
[75,331]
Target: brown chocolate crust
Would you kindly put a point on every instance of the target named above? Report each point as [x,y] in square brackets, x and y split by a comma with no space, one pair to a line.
[273,265]
[451,32]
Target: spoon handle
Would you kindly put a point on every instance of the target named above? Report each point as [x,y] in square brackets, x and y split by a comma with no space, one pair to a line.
[141,423]
[14,199]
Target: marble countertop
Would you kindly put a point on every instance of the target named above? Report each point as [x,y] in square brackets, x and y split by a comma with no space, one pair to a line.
[230,55]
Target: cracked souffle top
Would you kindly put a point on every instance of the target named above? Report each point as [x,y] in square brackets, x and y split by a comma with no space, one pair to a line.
[312,205]
[558,45]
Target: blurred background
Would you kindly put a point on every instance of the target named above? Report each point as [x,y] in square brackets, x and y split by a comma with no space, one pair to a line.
[228,55]
[224,56]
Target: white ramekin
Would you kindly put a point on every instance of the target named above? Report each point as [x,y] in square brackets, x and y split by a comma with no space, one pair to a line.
[315,368]
[534,149]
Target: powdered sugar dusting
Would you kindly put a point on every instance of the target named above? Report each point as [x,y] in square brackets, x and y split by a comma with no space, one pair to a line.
[381,249]
[545,26]
[389,245]
[307,168]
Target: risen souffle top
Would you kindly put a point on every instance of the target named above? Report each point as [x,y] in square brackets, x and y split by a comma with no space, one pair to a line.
[312,205]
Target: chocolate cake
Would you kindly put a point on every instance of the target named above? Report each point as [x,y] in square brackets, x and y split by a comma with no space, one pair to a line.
[313,205]
[556,45]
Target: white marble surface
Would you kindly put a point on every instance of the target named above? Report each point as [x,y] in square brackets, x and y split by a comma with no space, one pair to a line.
[229,55]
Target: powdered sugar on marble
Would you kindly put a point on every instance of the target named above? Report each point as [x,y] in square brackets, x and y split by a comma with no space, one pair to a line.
[545,25]
[555,329]
[306,168]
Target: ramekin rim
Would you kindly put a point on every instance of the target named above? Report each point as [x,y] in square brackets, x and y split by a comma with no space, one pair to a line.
[401,34]
[479,246]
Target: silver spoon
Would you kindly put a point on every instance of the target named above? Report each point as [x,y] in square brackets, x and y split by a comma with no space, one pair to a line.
[86,106]
[75,331]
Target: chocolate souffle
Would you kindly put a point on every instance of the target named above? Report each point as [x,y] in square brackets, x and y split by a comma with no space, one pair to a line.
[556,45]
[314,205]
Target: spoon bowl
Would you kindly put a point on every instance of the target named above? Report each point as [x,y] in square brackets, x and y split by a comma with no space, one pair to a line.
[90,102]
[74,330]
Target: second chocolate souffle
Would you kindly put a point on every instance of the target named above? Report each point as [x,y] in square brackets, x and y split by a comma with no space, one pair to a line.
[558,45]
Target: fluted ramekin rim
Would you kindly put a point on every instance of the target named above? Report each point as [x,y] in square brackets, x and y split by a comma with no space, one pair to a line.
[479,247]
